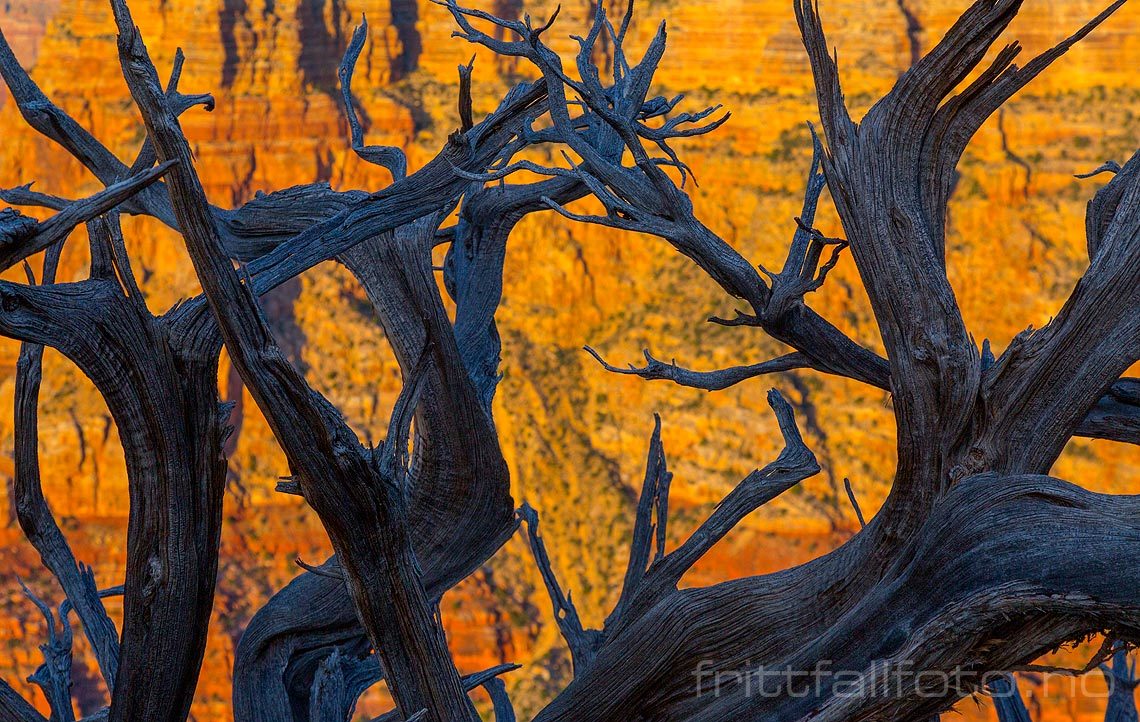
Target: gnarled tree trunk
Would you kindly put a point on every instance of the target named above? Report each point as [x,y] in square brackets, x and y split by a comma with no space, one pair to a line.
[949,580]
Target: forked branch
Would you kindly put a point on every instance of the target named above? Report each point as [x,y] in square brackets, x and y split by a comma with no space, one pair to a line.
[327,459]
[655,369]
[651,576]
[583,643]
[21,236]
[386,156]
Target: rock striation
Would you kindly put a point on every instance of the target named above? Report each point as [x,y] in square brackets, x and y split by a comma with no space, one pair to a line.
[575,436]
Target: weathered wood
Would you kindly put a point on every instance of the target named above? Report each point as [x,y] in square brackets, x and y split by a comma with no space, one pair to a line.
[14,708]
[450,503]
[1007,700]
[949,573]
[163,398]
[1122,681]
[386,156]
[53,677]
[895,229]
[36,518]
[21,236]
[351,487]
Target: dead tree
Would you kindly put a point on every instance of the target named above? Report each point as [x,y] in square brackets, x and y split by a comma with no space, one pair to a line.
[1120,678]
[1122,681]
[949,577]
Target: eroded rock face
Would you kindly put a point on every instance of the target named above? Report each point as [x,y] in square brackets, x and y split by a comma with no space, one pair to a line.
[24,24]
[575,436]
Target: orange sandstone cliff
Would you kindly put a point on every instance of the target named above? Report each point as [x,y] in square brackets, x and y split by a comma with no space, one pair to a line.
[575,436]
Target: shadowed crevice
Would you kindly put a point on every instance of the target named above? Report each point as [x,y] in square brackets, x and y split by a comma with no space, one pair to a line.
[230,17]
[913,31]
[320,26]
[405,15]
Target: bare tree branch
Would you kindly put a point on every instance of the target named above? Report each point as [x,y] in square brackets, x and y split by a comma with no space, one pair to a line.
[269,220]
[794,464]
[21,236]
[325,456]
[53,677]
[386,156]
[1007,700]
[650,522]
[146,157]
[854,502]
[162,393]
[14,708]
[649,581]
[35,517]
[706,380]
[583,642]
[1122,681]
[307,615]
[470,682]
[1040,391]
[895,230]
[466,122]
[339,681]
[504,709]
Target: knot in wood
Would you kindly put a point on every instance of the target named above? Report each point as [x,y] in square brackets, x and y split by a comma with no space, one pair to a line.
[39,111]
[976,462]
[15,226]
[155,575]
[928,346]
[9,301]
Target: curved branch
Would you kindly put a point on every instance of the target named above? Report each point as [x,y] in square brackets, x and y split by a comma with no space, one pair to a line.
[386,156]
[1052,383]
[21,236]
[52,122]
[36,518]
[313,613]
[979,589]
[643,198]
[891,183]
[162,395]
[332,467]
[147,157]
[706,380]
[308,617]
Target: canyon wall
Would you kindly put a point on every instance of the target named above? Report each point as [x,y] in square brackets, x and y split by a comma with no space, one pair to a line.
[574,435]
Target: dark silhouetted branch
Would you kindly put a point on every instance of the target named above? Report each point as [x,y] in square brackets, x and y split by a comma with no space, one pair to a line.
[583,643]
[854,502]
[35,517]
[386,156]
[21,236]
[706,380]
